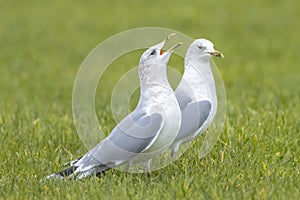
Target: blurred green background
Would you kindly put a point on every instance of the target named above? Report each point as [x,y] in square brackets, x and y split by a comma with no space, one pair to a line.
[42,44]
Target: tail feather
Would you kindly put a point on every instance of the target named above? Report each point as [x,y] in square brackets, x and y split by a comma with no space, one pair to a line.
[72,162]
[74,172]
[102,171]
[96,171]
[67,172]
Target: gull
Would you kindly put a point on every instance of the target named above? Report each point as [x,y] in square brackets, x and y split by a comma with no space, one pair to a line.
[148,130]
[196,93]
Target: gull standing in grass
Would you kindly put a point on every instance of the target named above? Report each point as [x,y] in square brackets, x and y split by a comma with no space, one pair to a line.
[196,93]
[148,130]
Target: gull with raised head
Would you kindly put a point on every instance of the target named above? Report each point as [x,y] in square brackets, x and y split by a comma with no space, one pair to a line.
[144,133]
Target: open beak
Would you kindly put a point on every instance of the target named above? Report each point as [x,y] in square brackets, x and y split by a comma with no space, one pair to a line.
[174,47]
[164,42]
[217,54]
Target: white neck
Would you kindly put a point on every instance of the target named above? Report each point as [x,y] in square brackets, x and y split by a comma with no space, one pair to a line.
[155,89]
[153,74]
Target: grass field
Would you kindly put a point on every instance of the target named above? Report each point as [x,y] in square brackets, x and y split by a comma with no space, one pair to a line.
[43,44]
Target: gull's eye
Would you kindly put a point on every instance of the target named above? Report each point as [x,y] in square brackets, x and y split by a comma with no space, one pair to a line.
[152,52]
[201,47]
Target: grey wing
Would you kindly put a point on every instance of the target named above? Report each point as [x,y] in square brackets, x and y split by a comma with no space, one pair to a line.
[193,117]
[136,131]
[130,137]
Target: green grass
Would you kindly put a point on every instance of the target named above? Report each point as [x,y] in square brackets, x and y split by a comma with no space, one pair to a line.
[43,44]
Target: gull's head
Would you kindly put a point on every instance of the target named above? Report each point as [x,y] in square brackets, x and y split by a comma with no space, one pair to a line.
[205,48]
[156,55]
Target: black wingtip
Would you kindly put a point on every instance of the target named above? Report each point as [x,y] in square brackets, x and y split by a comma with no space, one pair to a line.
[67,172]
[104,168]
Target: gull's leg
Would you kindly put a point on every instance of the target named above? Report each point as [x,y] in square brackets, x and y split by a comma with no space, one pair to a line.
[147,168]
[174,151]
[173,154]
[128,166]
